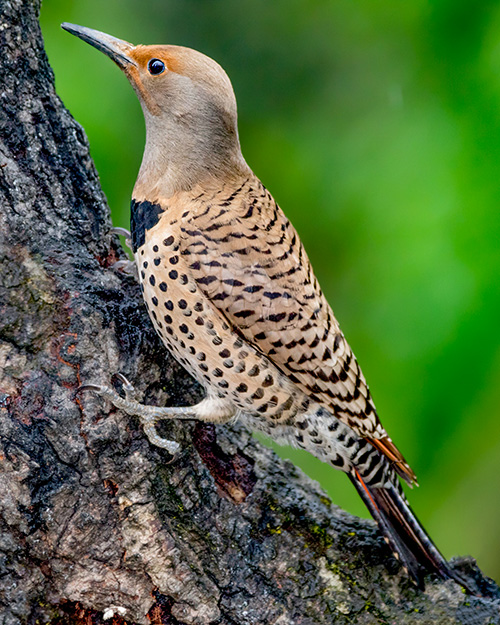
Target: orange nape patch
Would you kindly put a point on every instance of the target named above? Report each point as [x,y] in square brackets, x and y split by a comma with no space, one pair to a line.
[389,449]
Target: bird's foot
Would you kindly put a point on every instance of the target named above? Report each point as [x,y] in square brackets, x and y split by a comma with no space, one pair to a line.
[126,266]
[148,415]
[122,232]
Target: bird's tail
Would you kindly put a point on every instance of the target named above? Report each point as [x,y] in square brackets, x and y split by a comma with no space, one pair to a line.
[403,531]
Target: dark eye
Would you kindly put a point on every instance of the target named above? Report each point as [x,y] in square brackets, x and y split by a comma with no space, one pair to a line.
[155,67]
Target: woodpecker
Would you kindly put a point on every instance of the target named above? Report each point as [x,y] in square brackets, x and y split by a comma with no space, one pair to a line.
[233,296]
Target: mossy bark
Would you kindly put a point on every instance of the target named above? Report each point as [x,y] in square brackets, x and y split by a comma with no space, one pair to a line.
[94,523]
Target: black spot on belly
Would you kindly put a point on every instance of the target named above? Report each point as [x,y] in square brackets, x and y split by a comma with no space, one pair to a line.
[144,215]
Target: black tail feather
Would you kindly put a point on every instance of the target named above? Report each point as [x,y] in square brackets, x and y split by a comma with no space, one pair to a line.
[403,531]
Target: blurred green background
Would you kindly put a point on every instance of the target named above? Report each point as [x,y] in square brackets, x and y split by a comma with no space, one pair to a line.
[376,125]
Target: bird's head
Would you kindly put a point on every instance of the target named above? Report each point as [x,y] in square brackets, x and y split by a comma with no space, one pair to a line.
[189,107]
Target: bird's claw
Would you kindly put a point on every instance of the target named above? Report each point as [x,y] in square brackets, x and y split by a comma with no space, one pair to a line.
[87,387]
[103,391]
[126,386]
[125,402]
[123,232]
[126,266]
[129,404]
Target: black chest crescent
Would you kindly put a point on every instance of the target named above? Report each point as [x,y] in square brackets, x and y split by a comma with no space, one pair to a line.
[143,216]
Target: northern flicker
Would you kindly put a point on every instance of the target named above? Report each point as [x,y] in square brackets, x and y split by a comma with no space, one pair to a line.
[232,294]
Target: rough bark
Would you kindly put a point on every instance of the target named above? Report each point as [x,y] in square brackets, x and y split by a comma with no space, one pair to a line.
[94,522]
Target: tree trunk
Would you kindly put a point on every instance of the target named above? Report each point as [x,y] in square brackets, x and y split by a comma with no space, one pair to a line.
[95,524]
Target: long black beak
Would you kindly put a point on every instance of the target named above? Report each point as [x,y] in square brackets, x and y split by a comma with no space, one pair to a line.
[116,49]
